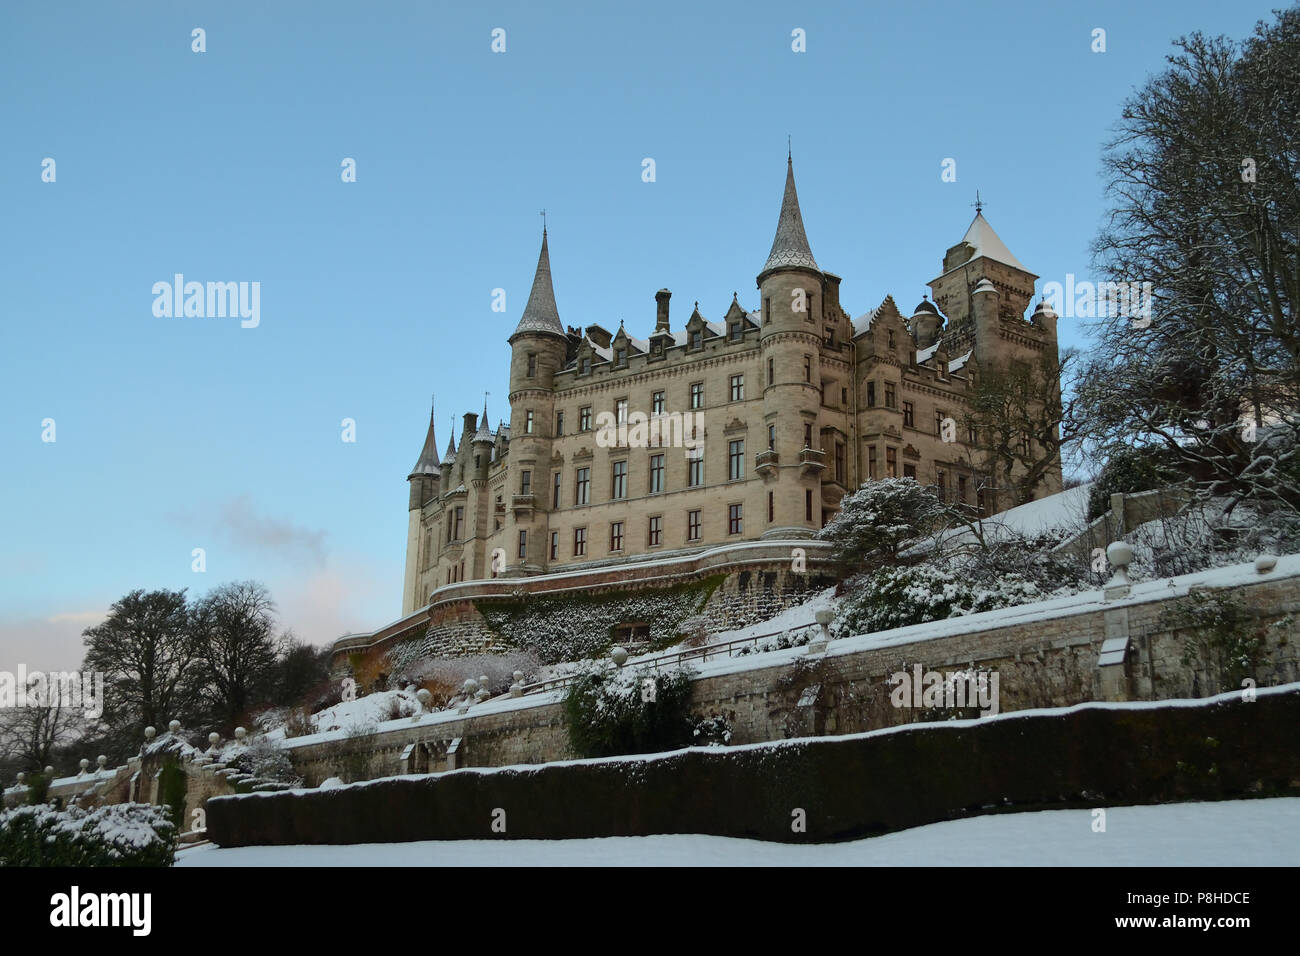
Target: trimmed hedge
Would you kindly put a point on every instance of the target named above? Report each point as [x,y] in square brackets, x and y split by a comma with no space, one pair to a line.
[123,834]
[850,787]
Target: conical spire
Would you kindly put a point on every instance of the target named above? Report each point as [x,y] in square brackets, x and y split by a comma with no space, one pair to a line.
[790,247]
[986,243]
[483,433]
[428,462]
[451,444]
[540,314]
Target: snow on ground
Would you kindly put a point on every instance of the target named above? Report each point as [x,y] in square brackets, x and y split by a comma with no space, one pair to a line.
[1263,832]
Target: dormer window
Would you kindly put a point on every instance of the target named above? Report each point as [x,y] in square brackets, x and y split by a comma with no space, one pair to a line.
[737,331]
[620,357]
[584,365]
[891,338]
[656,346]
[697,340]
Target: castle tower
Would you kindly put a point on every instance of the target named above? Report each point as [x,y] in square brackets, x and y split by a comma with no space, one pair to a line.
[791,286]
[424,486]
[538,349]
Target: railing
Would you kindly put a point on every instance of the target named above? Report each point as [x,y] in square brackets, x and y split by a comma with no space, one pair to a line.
[703,653]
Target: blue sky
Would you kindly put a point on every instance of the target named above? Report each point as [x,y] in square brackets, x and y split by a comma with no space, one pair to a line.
[182,433]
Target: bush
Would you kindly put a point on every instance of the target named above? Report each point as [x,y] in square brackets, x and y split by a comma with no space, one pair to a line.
[897,597]
[1128,471]
[612,711]
[878,518]
[123,834]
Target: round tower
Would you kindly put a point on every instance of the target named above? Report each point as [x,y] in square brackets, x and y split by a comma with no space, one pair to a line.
[791,288]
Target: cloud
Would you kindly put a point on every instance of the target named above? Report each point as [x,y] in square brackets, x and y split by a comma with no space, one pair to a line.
[45,643]
[262,534]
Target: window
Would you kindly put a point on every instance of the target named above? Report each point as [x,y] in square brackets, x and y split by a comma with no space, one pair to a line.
[839,462]
[618,481]
[656,347]
[736,460]
[767,311]
[939,416]
[559,424]
[737,388]
[830,336]
[871,394]
[961,488]
[616,536]
[582,487]
[771,372]
[771,507]
[460,520]
[972,435]
[579,542]
[807,435]
[694,472]
[697,395]
[620,357]
[941,482]
[657,403]
[807,368]
[771,438]
[871,461]
[735,519]
[737,331]
[656,535]
[844,396]
[891,338]
[807,504]
[584,418]
[909,415]
[656,474]
[523,544]
[555,545]
[526,483]
[692,526]
[697,340]
[555,490]
[891,400]
[979,500]
[584,366]
[909,471]
[528,422]
[891,462]
[620,411]
[532,370]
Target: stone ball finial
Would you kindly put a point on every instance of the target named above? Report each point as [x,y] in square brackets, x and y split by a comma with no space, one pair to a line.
[22,778]
[84,764]
[618,655]
[470,685]
[174,725]
[49,771]
[149,733]
[102,761]
[518,676]
[825,616]
[1265,563]
[240,733]
[1119,553]
[213,738]
[483,681]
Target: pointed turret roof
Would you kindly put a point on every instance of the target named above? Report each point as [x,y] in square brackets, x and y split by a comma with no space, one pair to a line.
[790,246]
[986,243]
[428,461]
[483,433]
[541,314]
[451,450]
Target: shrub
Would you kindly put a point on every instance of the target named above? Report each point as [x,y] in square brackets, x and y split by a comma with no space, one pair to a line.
[712,731]
[1222,640]
[878,518]
[123,834]
[1128,471]
[612,711]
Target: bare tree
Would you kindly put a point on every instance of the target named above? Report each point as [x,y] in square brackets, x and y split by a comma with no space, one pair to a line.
[236,648]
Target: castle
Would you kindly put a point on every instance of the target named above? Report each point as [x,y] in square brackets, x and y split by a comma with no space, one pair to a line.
[746,429]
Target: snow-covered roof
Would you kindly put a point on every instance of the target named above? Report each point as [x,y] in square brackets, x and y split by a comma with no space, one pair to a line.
[924,355]
[960,361]
[717,328]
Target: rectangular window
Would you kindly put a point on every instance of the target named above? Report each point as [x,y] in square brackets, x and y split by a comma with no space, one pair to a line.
[839,462]
[528,422]
[618,480]
[532,365]
[891,338]
[909,415]
[871,462]
[909,471]
[523,544]
[767,310]
[830,336]
[737,388]
[616,536]
[771,507]
[807,504]
[697,395]
[656,535]
[555,545]
[871,394]
[961,488]
[657,403]
[735,519]
[941,482]
[579,542]
[807,436]
[656,474]
[460,520]
[844,397]
[697,340]
[620,411]
[525,482]
[692,526]
[807,368]
[771,371]
[694,472]
[584,366]
[584,418]
[737,330]
[555,489]
[891,462]
[735,460]
[939,416]
[891,400]
[771,438]
[559,424]
[972,435]
[582,487]
[620,357]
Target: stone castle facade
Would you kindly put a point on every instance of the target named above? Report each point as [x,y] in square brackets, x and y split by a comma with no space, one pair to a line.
[751,427]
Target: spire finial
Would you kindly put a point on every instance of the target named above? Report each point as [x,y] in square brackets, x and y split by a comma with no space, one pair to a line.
[543,214]
[978,203]
[789,150]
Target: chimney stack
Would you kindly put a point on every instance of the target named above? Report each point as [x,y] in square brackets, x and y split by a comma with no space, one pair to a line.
[661,310]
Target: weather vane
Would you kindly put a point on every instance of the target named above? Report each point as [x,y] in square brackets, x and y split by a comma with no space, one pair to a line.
[978,203]
[543,214]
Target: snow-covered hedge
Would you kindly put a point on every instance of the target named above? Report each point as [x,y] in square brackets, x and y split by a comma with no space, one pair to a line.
[123,834]
[630,710]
